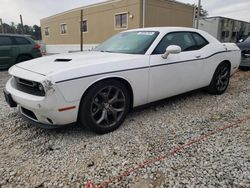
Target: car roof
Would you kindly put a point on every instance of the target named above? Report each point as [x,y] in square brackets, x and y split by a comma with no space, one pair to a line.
[165,29]
[14,35]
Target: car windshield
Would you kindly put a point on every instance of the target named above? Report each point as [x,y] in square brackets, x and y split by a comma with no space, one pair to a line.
[134,42]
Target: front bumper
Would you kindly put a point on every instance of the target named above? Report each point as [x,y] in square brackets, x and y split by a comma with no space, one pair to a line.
[44,110]
[41,125]
[245,62]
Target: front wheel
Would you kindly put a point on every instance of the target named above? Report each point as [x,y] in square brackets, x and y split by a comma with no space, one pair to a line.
[220,80]
[104,106]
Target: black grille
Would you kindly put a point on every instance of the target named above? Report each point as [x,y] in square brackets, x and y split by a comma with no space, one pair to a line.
[27,86]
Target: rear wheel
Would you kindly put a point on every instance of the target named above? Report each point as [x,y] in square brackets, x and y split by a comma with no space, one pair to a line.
[105,106]
[23,58]
[220,79]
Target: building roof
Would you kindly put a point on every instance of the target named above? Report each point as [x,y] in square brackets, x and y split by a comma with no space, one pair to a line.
[222,17]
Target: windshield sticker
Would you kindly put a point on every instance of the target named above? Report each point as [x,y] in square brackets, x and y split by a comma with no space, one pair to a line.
[146,33]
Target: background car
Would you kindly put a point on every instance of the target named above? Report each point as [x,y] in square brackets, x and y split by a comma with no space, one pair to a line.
[245,52]
[17,48]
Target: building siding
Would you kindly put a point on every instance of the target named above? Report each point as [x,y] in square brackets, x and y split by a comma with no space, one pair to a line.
[101,20]
[211,26]
[100,23]
[225,29]
[168,13]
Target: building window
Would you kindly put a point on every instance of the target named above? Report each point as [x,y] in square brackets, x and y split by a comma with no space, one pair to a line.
[46,31]
[234,34]
[121,21]
[63,28]
[84,26]
[225,34]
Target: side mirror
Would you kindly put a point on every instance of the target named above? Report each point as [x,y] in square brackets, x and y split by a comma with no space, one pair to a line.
[241,40]
[172,49]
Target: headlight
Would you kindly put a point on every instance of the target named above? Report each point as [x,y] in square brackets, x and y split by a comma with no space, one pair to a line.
[40,87]
[47,86]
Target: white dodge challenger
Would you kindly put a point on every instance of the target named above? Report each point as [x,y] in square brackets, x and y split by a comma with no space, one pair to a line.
[135,67]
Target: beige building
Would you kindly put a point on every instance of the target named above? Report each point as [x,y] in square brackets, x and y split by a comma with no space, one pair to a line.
[61,32]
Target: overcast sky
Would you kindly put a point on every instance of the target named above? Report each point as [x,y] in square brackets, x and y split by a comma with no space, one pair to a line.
[33,10]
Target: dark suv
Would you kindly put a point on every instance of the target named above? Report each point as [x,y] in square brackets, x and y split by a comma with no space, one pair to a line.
[245,53]
[17,48]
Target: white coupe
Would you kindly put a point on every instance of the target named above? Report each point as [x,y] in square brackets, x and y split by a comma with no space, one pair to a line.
[135,67]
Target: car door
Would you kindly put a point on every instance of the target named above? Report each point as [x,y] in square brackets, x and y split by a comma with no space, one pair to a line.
[178,73]
[24,45]
[7,51]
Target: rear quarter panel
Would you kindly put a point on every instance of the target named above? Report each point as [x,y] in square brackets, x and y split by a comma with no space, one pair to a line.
[216,53]
[234,56]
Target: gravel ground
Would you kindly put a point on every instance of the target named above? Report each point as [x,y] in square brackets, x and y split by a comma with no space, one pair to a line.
[33,157]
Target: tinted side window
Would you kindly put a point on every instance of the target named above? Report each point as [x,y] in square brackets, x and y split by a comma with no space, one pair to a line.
[5,41]
[200,41]
[182,39]
[21,41]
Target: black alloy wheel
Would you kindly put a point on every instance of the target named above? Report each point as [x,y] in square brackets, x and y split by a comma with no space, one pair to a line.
[220,79]
[108,106]
[105,106]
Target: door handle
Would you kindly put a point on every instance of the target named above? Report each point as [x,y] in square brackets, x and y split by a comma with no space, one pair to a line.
[198,56]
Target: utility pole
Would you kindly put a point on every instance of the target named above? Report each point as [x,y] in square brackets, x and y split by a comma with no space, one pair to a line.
[198,14]
[81,30]
[1,23]
[21,19]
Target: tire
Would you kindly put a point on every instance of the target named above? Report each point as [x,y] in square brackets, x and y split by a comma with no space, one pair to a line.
[244,68]
[104,107]
[23,58]
[220,80]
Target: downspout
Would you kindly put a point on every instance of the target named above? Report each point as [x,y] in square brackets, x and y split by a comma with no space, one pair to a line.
[143,12]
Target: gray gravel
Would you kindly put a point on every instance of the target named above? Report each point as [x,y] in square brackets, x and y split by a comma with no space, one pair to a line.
[33,157]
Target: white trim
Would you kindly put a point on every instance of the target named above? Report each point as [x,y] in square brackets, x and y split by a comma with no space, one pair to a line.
[61,29]
[120,28]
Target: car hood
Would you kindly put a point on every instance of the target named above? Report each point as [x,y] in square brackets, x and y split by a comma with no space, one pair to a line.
[58,63]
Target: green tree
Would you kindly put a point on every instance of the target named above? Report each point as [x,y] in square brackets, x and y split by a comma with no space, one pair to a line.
[37,32]
[27,30]
[34,31]
[19,29]
[12,28]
